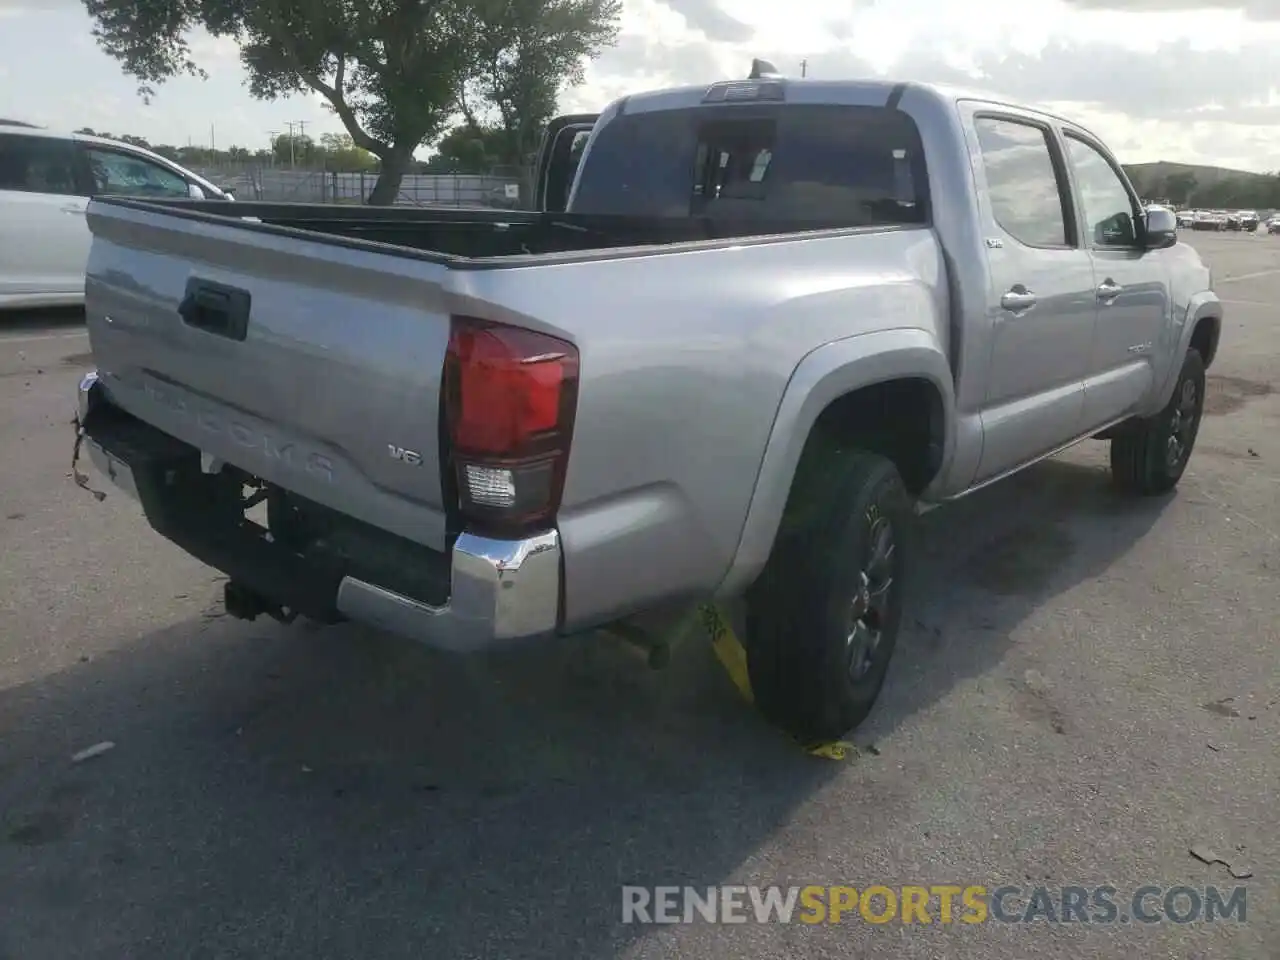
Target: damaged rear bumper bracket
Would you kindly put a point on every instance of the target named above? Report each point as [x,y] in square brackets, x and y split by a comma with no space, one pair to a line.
[481,593]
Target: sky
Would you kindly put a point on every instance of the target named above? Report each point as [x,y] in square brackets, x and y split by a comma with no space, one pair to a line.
[1195,81]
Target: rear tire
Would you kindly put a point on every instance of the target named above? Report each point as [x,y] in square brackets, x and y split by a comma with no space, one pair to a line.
[1149,456]
[823,619]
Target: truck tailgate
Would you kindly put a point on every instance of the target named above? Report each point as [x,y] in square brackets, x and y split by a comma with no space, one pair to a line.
[312,366]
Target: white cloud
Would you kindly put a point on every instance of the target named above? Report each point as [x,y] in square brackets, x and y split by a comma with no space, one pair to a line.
[1190,80]
[1196,85]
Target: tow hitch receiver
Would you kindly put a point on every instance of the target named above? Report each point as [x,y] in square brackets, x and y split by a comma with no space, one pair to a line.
[245,604]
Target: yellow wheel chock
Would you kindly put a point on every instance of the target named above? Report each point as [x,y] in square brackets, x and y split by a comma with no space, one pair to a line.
[732,655]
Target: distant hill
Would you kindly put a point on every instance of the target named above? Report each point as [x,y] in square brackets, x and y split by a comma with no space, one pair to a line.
[1210,186]
[1144,174]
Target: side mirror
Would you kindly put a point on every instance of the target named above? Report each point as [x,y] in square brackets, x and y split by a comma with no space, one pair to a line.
[194,191]
[1161,228]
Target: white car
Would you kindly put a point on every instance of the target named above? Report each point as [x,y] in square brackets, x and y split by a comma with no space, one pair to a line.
[46,180]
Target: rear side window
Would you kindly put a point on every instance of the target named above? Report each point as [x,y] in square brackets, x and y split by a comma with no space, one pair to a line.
[817,165]
[1023,182]
[37,165]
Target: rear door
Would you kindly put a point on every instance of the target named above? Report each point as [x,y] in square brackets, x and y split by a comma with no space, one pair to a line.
[1041,303]
[44,241]
[1131,295]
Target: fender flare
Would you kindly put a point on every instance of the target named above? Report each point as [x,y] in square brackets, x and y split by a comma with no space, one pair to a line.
[823,375]
[1202,305]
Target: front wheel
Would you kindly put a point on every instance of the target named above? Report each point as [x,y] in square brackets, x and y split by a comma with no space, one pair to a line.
[823,619]
[1149,456]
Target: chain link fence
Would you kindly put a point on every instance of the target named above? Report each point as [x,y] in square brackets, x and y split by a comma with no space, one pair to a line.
[504,188]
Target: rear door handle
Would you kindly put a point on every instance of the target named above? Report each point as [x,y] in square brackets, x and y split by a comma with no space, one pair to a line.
[1018,299]
[1108,290]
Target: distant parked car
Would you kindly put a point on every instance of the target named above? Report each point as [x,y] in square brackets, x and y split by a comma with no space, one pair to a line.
[1248,220]
[1273,225]
[1210,220]
[46,180]
[1187,218]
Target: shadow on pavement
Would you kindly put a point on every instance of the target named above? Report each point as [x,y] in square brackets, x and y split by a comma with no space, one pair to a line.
[41,320]
[335,793]
[988,561]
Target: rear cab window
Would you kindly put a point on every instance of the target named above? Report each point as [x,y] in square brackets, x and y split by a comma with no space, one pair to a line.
[43,165]
[778,165]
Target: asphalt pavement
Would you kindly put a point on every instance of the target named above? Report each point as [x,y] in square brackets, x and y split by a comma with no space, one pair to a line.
[1089,687]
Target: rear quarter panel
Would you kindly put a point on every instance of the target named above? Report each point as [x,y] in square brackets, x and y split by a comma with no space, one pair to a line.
[685,358]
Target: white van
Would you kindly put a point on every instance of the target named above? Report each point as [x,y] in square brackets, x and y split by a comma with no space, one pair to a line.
[46,180]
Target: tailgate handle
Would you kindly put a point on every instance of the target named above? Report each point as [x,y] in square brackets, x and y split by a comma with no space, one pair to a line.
[216,308]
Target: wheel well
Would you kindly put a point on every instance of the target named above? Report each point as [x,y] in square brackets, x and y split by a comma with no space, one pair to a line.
[901,420]
[1204,339]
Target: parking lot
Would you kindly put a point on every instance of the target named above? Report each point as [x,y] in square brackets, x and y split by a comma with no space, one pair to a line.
[1089,687]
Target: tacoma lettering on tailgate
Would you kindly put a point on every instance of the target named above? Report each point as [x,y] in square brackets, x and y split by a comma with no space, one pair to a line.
[250,437]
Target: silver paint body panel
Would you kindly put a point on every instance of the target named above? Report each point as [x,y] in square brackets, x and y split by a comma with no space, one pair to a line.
[703,366]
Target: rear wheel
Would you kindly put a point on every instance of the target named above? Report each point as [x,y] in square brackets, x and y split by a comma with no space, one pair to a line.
[1149,456]
[823,619]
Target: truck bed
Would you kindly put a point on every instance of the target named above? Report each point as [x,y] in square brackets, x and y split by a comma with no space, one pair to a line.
[320,367]
[457,234]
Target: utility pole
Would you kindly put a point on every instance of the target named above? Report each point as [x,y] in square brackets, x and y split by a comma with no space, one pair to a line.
[213,142]
[804,68]
[289,124]
[302,132]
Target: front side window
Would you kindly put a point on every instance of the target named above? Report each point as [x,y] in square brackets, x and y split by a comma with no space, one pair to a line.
[37,165]
[1108,206]
[1022,182]
[123,174]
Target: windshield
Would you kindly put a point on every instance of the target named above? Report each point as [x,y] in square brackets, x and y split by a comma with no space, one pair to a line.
[795,164]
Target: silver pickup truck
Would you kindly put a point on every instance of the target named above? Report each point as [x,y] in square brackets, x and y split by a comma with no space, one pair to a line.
[751,332]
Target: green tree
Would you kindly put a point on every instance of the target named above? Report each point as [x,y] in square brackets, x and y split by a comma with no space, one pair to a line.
[468,148]
[295,150]
[340,153]
[527,53]
[391,70]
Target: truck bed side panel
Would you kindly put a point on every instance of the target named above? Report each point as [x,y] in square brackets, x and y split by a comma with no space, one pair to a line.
[341,361]
[684,360]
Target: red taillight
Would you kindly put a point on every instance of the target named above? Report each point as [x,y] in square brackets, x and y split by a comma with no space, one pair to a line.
[509,398]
